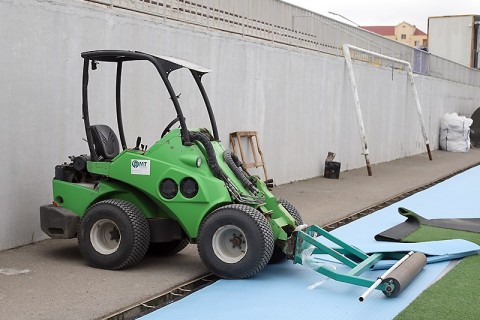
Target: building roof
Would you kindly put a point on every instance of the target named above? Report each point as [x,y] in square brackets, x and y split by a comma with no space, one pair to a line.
[419,32]
[390,30]
[381,30]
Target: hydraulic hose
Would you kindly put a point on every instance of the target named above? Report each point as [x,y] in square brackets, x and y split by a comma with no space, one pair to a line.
[236,160]
[211,157]
[218,172]
[235,166]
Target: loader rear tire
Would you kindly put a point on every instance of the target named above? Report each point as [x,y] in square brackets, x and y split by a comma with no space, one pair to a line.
[113,234]
[278,255]
[235,241]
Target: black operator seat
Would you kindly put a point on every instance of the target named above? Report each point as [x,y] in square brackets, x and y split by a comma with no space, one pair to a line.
[105,141]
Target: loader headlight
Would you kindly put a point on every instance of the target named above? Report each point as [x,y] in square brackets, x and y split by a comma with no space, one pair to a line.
[168,188]
[189,187]
[198,162]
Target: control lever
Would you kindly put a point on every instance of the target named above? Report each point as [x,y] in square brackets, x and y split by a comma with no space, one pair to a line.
[137,145]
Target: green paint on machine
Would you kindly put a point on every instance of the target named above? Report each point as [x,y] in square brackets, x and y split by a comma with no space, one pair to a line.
[186,188]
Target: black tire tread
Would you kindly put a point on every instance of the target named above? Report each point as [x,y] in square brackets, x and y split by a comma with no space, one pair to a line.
[291,209]
[141,232]
[267,233]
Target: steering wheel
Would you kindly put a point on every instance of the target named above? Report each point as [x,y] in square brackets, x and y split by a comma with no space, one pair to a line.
[168,127]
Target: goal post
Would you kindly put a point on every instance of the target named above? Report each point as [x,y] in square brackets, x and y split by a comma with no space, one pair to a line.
[356,100]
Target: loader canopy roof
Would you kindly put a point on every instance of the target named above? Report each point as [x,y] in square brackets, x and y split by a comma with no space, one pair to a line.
[164,66]
[169,64]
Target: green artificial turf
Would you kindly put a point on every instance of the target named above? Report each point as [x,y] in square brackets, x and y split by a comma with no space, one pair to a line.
[428,233]
[456,295]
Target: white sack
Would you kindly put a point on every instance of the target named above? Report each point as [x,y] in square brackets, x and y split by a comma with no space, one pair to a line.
[455,133]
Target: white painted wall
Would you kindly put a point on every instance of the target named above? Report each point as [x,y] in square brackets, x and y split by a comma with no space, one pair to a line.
[451,38]
[299,101]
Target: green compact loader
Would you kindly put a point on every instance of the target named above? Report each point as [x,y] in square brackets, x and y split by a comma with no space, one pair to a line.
[119,200]
[186,188]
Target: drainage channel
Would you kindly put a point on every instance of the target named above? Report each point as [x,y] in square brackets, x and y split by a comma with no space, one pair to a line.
[163,299]
[185,289]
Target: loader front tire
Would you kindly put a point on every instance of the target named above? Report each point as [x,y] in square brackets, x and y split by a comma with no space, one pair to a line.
[292,210]
[113,234]
[278,255]
[235,241]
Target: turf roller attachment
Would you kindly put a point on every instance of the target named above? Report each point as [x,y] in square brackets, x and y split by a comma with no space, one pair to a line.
[400,277]
[391,283]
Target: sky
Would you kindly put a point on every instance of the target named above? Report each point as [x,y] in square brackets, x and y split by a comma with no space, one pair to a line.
[389,13]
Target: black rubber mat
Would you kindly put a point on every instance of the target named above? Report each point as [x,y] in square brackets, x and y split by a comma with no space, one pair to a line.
[414,220]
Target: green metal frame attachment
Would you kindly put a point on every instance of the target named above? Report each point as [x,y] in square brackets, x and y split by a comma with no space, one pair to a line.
[307,244]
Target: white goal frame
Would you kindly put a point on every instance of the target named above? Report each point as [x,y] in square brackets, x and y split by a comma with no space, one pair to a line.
[356,100]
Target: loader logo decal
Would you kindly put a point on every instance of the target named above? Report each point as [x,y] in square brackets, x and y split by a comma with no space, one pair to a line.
[140,167]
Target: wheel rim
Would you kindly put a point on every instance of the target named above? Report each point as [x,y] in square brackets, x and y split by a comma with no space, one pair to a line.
[229,244]
[105,236]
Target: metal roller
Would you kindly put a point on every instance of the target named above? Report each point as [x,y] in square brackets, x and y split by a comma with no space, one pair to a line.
[399,278]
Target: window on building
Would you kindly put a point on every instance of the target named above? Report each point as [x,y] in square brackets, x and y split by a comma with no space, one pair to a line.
[404,36]
[417,43]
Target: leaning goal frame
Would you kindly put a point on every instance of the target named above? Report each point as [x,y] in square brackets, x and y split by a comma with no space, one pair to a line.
[356,99]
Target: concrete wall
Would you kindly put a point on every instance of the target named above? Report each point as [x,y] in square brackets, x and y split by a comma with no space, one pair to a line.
[299,101]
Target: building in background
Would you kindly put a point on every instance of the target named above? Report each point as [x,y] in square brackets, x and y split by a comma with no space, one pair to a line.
[456,38]
[403,32]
